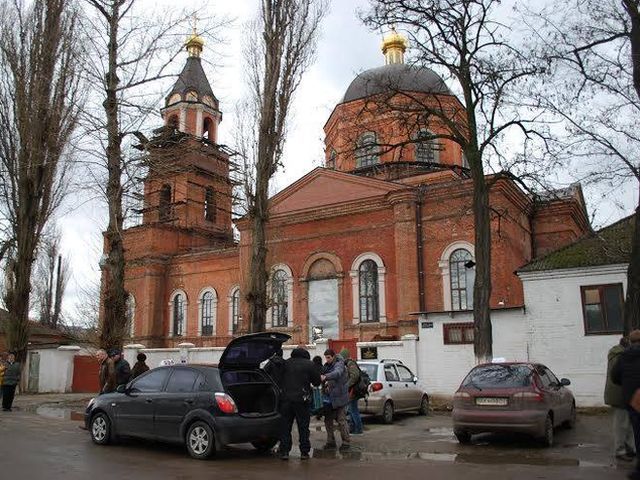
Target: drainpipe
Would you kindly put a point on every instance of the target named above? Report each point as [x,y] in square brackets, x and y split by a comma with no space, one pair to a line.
[421,190]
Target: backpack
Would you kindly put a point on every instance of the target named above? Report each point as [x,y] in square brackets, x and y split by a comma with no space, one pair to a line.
[361,388]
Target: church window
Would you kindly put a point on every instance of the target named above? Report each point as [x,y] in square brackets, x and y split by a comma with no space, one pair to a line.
[178,314]
[208,312]
[207,129]
[368,283]
[367,151]
[175,98]
[173,121]
[462,278]
[426,148]
[235,310]
[331,162]
[279,299]
[164,208]
[209,204]
[192,96]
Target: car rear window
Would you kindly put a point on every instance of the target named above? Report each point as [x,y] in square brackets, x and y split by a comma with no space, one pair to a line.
[371,369]
[499,376]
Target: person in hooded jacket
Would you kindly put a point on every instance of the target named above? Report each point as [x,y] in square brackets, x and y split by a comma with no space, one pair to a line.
[626,373]
[298,376]
[335,378]
[275,368]
[623,442]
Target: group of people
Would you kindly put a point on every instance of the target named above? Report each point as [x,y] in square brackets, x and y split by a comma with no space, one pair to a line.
[299,379]
[115,370]
[10,371]
[622,394]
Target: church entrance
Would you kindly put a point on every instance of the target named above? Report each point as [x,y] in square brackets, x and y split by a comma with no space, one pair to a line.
[323,301]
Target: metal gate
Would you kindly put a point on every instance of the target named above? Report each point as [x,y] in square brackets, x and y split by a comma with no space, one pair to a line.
[86,370]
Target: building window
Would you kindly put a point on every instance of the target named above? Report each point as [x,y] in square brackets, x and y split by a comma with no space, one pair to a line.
[368,283]
[462,278]
[207,313]
[235,311]
[178,309]
[131,315]
[331,162]
[367,150]
[164,207]
[426,148]
[279,299]
[458,333]
[209,204]
[602,308]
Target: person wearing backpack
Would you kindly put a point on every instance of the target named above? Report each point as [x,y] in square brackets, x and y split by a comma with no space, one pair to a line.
[355,375]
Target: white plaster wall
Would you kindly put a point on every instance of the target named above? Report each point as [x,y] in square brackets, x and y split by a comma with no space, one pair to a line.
[405,351]
[554,312]
[56,369]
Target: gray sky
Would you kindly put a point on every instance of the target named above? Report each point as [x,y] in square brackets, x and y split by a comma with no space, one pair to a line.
[346,48]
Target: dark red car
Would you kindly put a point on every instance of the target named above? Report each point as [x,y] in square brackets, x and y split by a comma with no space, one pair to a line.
[512,397]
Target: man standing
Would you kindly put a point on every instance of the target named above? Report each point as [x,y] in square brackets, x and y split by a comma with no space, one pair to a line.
[118,370]
[623,442]
[103,372]
[298,376]
[353,372]
[10,381]
[335,377]
[626,372]
[275,368]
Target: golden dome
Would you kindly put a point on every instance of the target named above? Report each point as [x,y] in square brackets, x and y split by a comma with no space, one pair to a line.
[394,41]
[194,44]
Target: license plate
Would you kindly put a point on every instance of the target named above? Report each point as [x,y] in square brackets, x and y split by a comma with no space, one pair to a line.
[489,401]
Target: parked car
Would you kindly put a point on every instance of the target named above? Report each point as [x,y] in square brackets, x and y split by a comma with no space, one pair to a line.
[394,388]
[203,407]
[512,397]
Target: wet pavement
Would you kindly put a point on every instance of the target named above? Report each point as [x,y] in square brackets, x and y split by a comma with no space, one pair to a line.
[45,441]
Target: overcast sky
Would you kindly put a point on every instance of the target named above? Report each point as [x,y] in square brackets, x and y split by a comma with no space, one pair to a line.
[345,49]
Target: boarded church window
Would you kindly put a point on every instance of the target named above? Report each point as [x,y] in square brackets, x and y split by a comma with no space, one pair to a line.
[462,278]
[602,308]
[367,151]
[279,299]
[164,208]
[368,279]
[207,304]
[178,315]
[209,204]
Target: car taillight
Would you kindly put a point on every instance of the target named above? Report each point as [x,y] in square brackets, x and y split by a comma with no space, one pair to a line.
[533,396]
[226,403]
[376,387]
[461,395]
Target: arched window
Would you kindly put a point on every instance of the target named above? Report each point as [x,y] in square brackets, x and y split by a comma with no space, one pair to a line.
[367,150]
[164,207]
[131,315]
[462,277]
[368,288]
[209,204]
[279,299]
[235,310]
[426,147]
[207,129]
[208,303]
[173,121]
[178,307]
[331,162]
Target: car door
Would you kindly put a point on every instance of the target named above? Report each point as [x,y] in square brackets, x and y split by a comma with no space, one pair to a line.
[412,394]
[565,399]
[135,410]
[177,399]
[392,386]
[552,396]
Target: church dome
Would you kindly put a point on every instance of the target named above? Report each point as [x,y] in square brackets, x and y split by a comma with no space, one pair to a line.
[395,77]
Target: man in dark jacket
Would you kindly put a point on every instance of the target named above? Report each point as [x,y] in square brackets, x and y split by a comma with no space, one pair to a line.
[275,368]
[299,374]
[623,442]
[626,372]
[10,381]
[119,370]
[353,375]
[335,378]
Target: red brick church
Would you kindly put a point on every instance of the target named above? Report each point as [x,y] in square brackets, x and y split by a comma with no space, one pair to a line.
[356,248]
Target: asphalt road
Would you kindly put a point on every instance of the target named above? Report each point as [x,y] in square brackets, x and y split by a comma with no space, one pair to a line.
[34,446]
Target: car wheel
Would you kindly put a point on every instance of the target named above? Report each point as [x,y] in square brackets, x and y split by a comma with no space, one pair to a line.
[387,413]
[424,406]
[200,440]
[463,437]
[547,437]
[571,423]
[100,429]
[264,446]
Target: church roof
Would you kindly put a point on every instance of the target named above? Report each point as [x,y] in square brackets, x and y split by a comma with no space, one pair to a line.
[191,78]
[608,246]
[395,77]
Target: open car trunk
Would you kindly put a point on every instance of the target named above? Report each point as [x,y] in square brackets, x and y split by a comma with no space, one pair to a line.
[253,391]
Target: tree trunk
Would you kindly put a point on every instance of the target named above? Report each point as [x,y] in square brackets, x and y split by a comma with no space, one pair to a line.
[114,312]
[632,300]
[257,297]
[57,305]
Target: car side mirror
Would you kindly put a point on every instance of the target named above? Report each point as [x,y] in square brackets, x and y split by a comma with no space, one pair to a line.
[565,382]
[415,379]
[121,389]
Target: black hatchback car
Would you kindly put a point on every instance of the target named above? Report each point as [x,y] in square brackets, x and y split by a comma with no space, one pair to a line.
[204,407]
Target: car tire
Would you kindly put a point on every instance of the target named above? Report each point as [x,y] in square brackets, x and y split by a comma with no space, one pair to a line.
[546,439]
[424,406]
[265,446]
[387,413]
[100,429]
[464,438]
[571,423]
[200,440]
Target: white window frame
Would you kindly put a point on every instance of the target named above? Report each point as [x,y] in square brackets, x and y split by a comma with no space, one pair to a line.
[355,286]
[287,270]
[232,291]
[214,312]
[184,312]
[445,271]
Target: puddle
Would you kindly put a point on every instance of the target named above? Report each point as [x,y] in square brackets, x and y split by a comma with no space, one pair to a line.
[61,413]
[440,431]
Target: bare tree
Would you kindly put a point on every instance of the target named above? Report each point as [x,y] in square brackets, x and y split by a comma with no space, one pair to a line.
[39,104]
[280,49]
[593,87]
[50,279]
[478,54]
